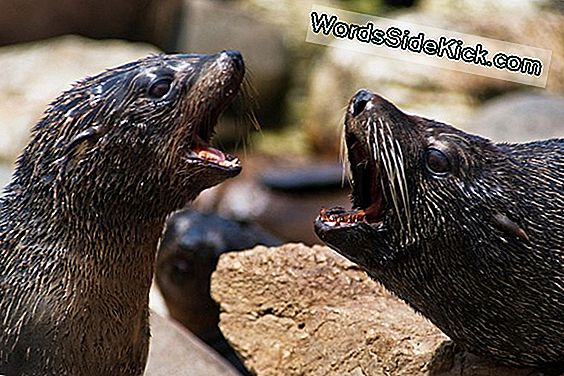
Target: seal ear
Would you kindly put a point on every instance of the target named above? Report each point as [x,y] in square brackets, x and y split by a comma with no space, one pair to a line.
[89,135]
[74,149]
[509,227]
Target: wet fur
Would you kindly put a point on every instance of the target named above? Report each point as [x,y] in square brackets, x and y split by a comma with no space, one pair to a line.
[82,216]
[451,247]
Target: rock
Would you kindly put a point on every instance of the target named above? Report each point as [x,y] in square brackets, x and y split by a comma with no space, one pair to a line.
[152,21]
[530,25]
[295,310]
[519,117]
[36,73]
[5,175]
[174,351]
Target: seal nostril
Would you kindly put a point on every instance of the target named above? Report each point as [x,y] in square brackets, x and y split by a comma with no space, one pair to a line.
[360,100]
[236,57]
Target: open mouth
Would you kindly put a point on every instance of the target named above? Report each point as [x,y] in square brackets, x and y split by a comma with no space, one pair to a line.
[201,151]
[368,197]
[367,194]
[221,84]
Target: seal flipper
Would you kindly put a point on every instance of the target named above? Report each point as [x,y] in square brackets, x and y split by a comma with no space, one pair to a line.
[509,227]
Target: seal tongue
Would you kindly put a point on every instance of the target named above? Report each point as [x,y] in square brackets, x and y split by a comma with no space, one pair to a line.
[209,154]
[201,150]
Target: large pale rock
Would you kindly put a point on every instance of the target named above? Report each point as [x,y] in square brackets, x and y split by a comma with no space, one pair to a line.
[519,117]
[36,73]
[5,174]
[212,25]
[295,310]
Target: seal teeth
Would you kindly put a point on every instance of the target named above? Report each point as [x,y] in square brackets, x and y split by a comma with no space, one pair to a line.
[339,216]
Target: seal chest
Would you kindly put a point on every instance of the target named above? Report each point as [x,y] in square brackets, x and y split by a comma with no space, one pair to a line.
[84,211]
[468,232]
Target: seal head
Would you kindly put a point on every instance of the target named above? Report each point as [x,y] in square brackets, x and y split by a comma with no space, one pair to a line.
[466,231]
[158,111]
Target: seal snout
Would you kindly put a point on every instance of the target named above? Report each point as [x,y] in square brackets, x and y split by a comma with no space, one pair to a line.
[359,101]
[365,100]
[235,57]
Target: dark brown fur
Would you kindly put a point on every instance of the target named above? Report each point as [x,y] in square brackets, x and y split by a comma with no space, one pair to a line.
[475,241]
[84,211]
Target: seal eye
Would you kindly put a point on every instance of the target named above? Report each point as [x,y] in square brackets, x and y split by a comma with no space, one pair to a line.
[160,87]
[437,162]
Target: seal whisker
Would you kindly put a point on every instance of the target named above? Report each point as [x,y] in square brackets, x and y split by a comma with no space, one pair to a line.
[374,144]
[403,187]
[396,173]
[390,174]
[344,158]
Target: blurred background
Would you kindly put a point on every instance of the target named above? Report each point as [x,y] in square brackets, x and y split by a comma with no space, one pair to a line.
[300,91]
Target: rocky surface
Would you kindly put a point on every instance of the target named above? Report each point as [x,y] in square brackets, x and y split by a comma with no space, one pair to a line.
[519,117]
[153,21]
[5,174]
[295,310]
[188,253]
[210,26]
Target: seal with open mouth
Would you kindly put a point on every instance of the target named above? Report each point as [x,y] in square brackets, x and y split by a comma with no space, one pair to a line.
[468,232]
[84,211]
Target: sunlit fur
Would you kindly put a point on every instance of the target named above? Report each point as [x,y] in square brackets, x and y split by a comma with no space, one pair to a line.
[440,246]
[82,215]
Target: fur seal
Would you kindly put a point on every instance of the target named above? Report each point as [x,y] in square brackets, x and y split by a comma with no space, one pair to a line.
[84,211]
[468,232]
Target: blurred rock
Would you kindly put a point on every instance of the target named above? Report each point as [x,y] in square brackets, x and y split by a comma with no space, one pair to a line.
[529,24]
[519,117]
[36,73]
[5,174]
[295,310]
[188,254]
[152,21]
[441,94]
[290,15]
[174,351]
[211,26]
